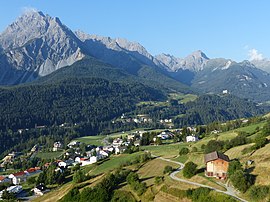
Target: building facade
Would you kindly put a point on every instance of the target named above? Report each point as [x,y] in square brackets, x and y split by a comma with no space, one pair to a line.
[217,165]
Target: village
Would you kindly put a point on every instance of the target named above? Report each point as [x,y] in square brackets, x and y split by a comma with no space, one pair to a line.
[75,156]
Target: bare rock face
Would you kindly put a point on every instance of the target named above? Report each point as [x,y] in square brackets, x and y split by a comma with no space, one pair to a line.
[194,62]
[111,50]
[263,64]
[36,45]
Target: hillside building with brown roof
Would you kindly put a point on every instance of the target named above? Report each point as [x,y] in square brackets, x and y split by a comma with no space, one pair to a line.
[217,165]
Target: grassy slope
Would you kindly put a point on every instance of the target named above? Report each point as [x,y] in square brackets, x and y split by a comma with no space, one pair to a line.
[113,162]
[155,167]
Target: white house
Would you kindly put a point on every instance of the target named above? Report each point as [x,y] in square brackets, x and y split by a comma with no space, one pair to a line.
[12,189]
[225,92]
[40,190]
[62,164]
[191,138]
[18,177]
[73,144]
[117,142]
[119,150]
[86,162]
[93,159]
[57,146]
[165,135]
[108,148]
[102,154]
[137,143]
[79,159]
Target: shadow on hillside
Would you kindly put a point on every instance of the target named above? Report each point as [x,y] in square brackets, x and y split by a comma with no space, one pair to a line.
[201,170]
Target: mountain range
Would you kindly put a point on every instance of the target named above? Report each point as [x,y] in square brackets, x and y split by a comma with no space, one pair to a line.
[36,46]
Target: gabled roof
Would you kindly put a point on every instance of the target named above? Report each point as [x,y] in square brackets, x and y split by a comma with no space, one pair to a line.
[31,170]
[18,174]
[2,178]
[215,155]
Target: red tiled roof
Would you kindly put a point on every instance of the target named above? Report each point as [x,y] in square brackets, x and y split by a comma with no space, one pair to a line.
[83,159]
[31,170]
[19,174]
[2,178]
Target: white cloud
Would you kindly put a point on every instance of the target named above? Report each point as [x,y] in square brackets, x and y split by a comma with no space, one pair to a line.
[28,9]
[255,55]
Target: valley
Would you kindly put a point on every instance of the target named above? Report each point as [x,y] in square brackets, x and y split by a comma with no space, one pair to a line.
[165,153]
[85,117]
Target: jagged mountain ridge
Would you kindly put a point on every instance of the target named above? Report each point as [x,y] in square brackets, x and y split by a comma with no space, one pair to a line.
[119,52]
[36,45]
[194,62]
[242,79]
[263,64]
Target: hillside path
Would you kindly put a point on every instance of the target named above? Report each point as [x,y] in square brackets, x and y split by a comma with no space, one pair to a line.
[230,191]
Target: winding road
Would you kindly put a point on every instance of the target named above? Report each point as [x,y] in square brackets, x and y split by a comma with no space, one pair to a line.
[230,191]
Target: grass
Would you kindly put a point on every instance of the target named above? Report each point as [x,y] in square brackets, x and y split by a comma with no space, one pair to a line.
[55,195]
[236,152]
[183,98]
[252,128]
[181,159]
[98,139]
[166,151]
[152,169]
[113,162]
[49,155]
[92,140]
[199,178]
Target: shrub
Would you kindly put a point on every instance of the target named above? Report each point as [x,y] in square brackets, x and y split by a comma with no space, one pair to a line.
[258,192]
[234,166]
[194,149]
[174,191]
[79,176]
[139,187]
[260,142]
[200,194]
[120,195]
[190,169]
[213,145]
[167,169]
[132,177]
[31,180]
[183,151]
[240,181]
[159,180]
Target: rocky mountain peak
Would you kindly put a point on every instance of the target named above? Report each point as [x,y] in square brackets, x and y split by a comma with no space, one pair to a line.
[32,24]
[199,54]
[194,62]
[36,45]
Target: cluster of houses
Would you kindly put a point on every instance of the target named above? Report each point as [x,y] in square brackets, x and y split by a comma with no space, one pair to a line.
[15,179]
[16,189]
[165,121]
[19,177]
[141,118]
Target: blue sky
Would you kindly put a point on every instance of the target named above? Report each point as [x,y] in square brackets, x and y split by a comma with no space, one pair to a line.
[237,29]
